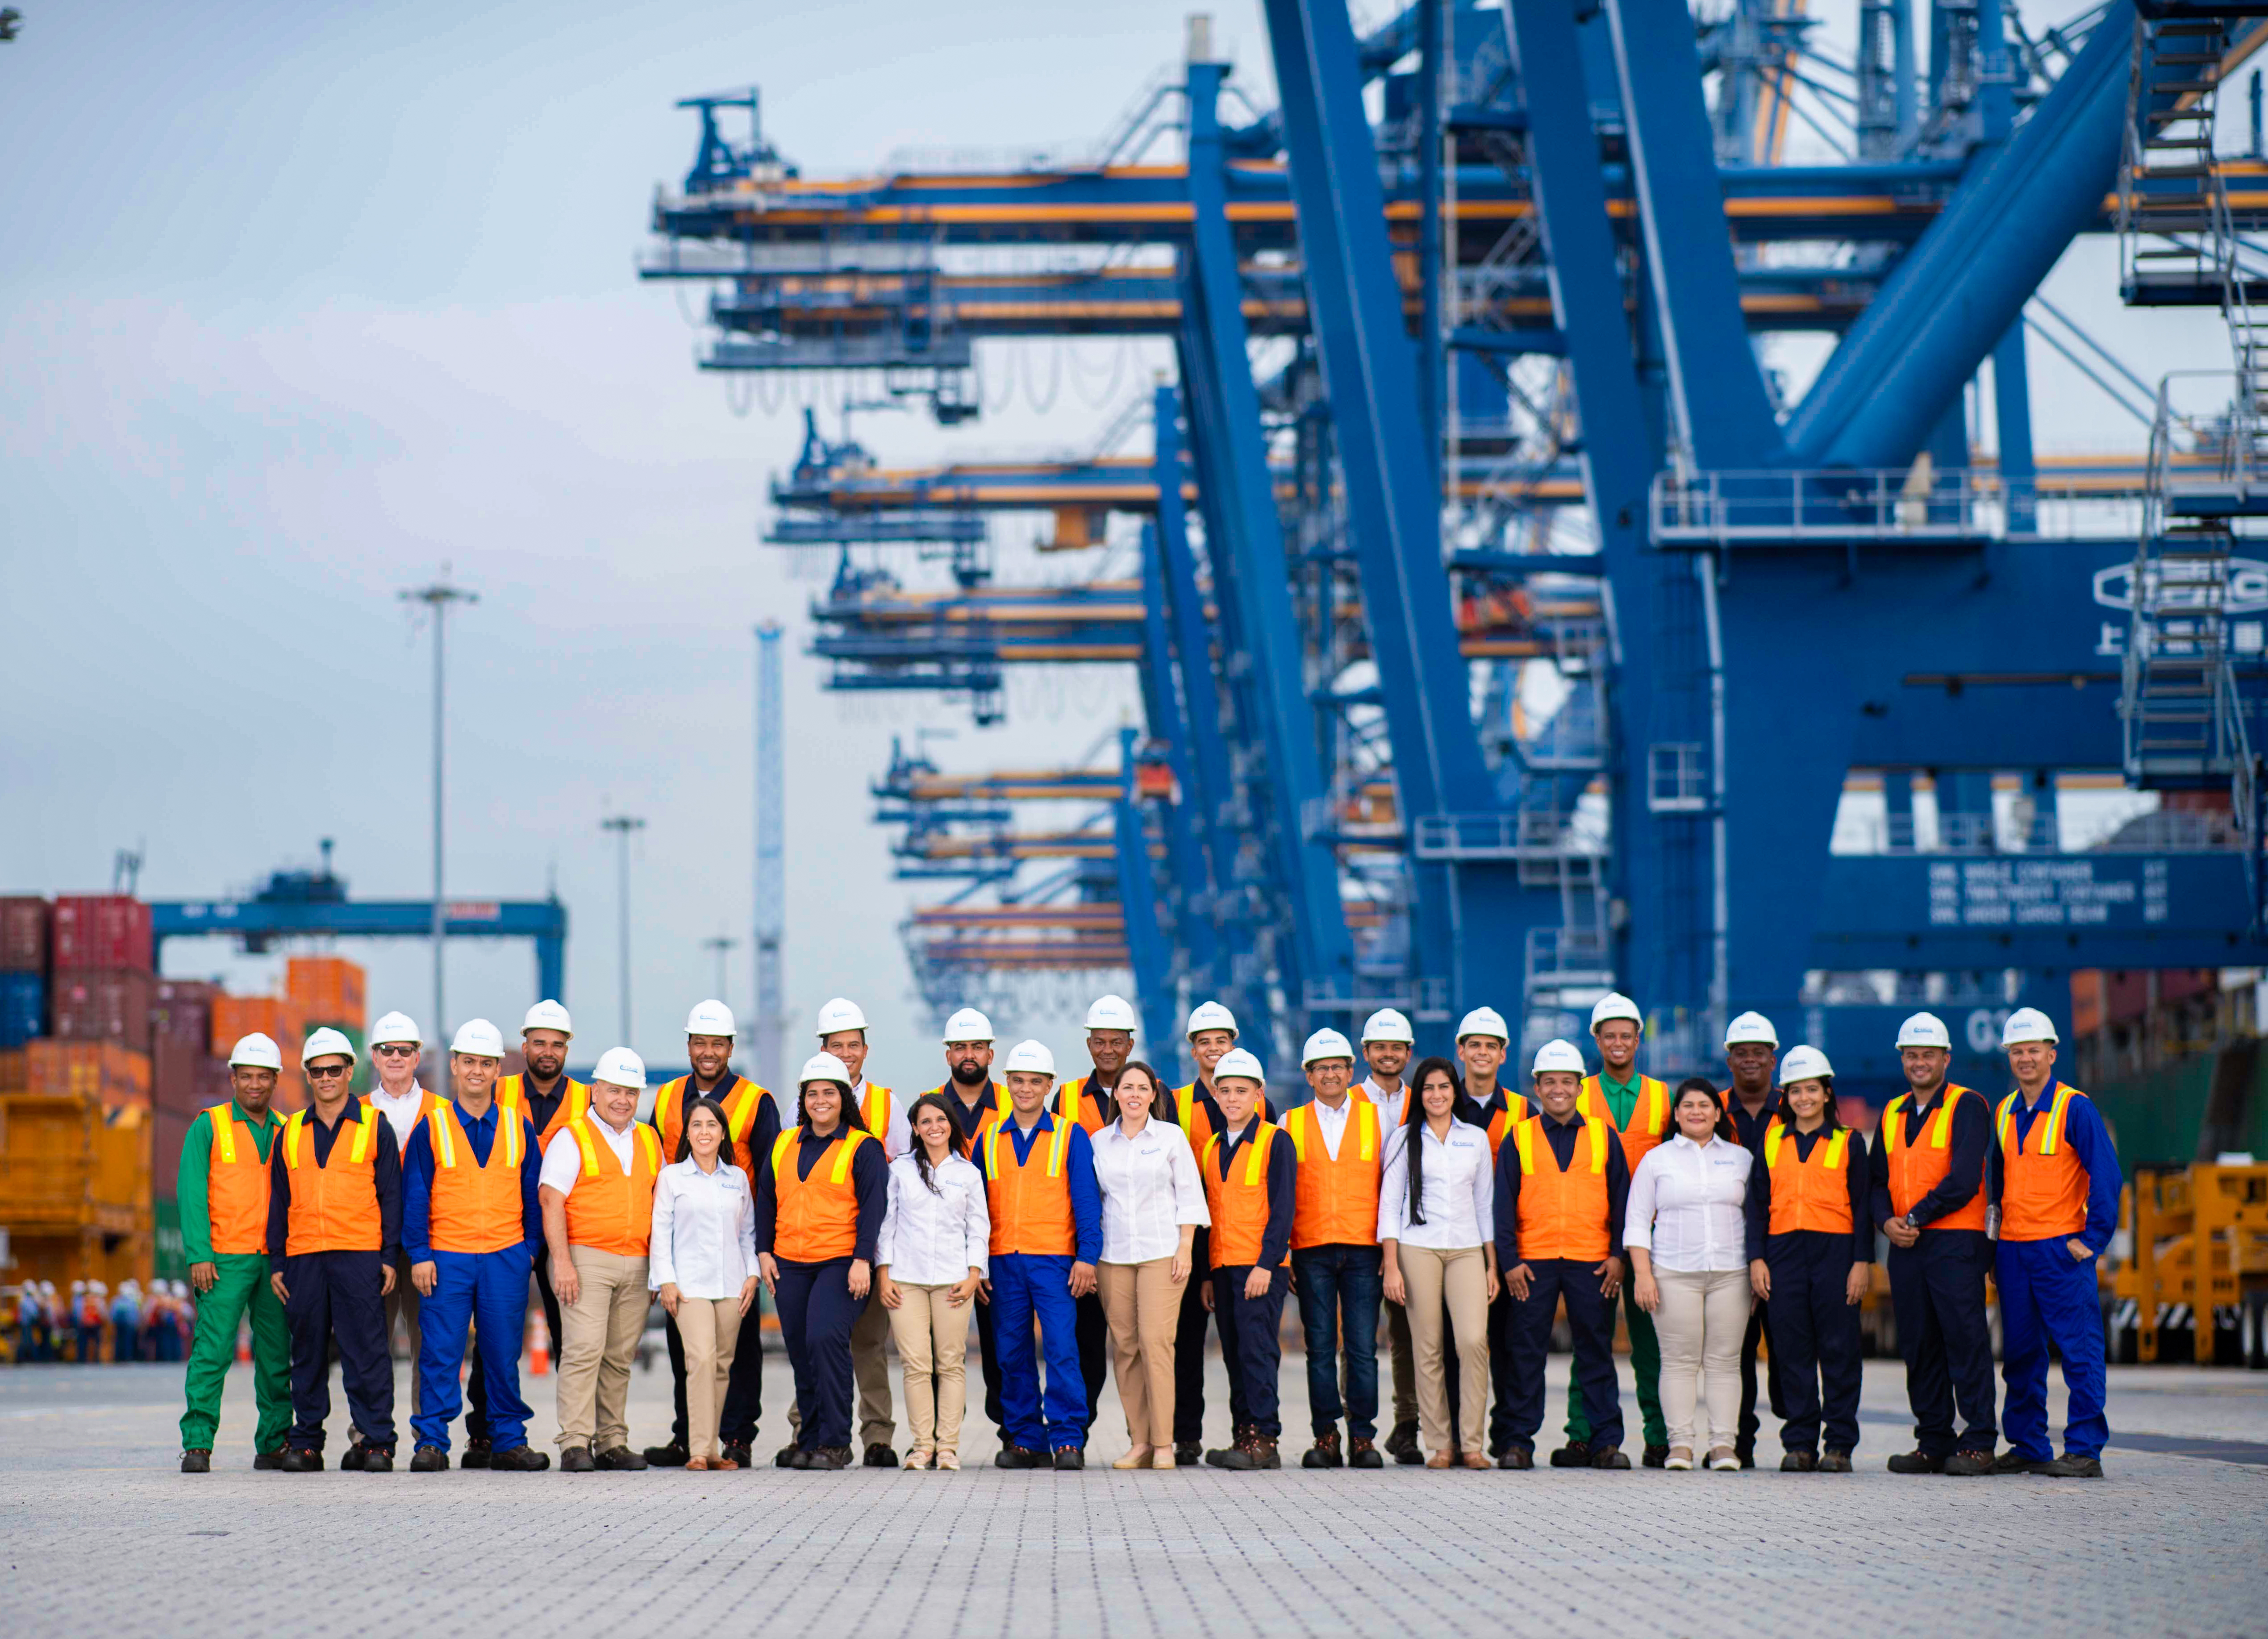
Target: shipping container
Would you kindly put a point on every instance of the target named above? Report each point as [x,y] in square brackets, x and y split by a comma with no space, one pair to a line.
[180,1010]
[23,934]
[101,931]
[76,1174]
[23,1008]
[13,1070]
[2086,1001]
[169,1127]
[105,1006]
[114,1077]
[328,988]
[177,1075]
[280,1020]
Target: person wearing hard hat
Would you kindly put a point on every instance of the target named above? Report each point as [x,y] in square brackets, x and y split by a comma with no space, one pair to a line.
[1637,1108]
[1562,1190]
[968,1089]
[1251,1182]
[1088,1100]
[397,1048]
[1751,1054]
[1388,1041]
[335,1222]
[821,1196]
[751,1120]
[1046,1214]
[1484,1041]
[222,1192]
[1339,1143]
[596,1191]
[1926,1195]
[472,1221]
[1811,1254]
[843,1032]
[2055,1177]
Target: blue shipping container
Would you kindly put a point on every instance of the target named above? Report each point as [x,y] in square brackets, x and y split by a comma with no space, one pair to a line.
[23,1008]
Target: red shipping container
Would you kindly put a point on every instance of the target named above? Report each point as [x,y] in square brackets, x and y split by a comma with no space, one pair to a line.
[2178,984]
[101,931]
[2126,995]
[12,1070]
[169,1128]
[102,1007]
[177,1080]
[23,934]
[180,1010]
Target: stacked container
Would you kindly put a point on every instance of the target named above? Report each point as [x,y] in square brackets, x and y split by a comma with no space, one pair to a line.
[182,1072]
[22,972]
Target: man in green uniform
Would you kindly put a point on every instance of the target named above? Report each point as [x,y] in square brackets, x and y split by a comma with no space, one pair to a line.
[222,1190]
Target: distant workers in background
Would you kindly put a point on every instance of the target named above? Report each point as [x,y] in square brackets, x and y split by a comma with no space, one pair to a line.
[1087,1100]
[472,1222]
[1751,1053]
[703,1268]
[1638,1107]
[335,1222]
[1434,1199]
[1338,1144]
[1811,1252]
[1211,1032]
[1484,1041]
[753,1120]
[1387,1043]
[1251,1179]
[1928,1196]
[935,1248]
[2056,1180]
[976,1099]
[1046,1214]
[843,1032]
[223,1189]
[596,1190]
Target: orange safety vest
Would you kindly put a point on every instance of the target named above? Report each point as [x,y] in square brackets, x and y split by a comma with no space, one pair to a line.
[512,1093]
[2043,1186]
[236,1184]
[1649,1116]
[1516,1110]
[1030,1199]
[611,1209]
[476,1206]
[1239,1202]
[1071,1099]
[875,1109]
[334,1204]
[1808,1192]
[1002,1104]
[1195,1120]
[1563,1214]
[427,1103]
[1336,1202]
[1916,1164]
[741,1106]
[816,1219]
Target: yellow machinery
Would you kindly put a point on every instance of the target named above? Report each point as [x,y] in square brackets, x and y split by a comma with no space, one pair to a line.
[2200,1238]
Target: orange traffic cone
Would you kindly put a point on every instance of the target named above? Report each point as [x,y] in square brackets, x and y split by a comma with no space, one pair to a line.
[539,1347]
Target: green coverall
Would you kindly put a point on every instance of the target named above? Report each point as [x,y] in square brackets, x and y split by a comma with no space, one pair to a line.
[243,1284]
[1645,1349]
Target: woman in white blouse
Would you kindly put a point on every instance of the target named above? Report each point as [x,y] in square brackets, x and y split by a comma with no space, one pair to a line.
[934,1249]
[703,1262]
[1436,1221]
[1154,1203]
[1686,1231]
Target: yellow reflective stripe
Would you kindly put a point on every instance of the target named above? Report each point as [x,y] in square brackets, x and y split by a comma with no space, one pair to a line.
[589,1144]
[1893,1123]
[1297,1128]
[2001,1119]
[1837,1146]
[1598,1130]
[780,1152]
[443,1122]
[2053,1139]
[1523,1139]
[510,1123]
[1370,1127]
[847,1145]
[292,1127]
[649,1145]
[223,1128]
[1060,1143]
[361,1144]
[1253,1156]
[1772,1142]
[1204,1161]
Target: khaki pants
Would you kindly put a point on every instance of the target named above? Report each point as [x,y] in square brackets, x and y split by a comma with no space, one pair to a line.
[932,1338]
[1701,1321]
[870,1364]
[602,1326]
[1461,1275]
[1143,1307]
[710,1327]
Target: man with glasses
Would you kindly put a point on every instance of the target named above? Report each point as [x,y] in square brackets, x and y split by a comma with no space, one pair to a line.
[397,1048]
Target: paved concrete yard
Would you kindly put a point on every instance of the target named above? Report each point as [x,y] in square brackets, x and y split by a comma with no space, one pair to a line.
[101,1536]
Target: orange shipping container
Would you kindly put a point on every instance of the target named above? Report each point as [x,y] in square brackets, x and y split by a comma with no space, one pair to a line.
[327,988]
[281,1020]
[12,1070]
[66,1164]
[2086,1001]
[109,1074]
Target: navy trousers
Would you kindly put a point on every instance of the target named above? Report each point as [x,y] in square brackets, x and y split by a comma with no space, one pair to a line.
[1814,1339]
[1252,1343]
[1189,1357]
[336,1294]
[1339,1289]
[816,1313]
[474,1291]
[989,1347]
[1591,1322]
[2048,1296]
[1775,1390]
[1092,1327]
[1937,1292]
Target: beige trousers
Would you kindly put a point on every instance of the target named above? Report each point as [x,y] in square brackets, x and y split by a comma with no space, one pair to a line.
[602,1326]
[1143,1306]
[1701,1321]
[1461,1276]
[710,1328]
[870,1364]
[932,1338]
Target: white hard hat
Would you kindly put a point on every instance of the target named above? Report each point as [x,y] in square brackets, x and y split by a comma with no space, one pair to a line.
[1111,1012]
[1615,1004]
[823,1067]
[1559,1056]
[2028,1024]
[1325,1044]
[967,1025]
[840,1013]
[1388,1024]
[1031,1058]
[620,1068]
[710,1018]
[476,1038]
[546,1016]
[1484,1021]
[1925,1030]
[1210,1016]
[257,1051]
[1237,1062]
[396,1027]
[326,1043]
[1751,1028]
[1805,1063]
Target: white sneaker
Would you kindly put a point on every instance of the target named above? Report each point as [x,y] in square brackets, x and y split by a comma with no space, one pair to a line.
[1679,1458]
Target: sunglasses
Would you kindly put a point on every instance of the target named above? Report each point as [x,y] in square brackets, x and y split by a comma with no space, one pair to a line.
[325,1072]
[395,1050]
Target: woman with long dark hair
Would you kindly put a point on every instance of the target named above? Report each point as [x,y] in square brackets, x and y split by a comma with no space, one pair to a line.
[1435,1213]
[702,1261]
[932,1256]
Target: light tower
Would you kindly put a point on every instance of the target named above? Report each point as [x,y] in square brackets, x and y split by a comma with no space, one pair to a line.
[438,598]
[622,825]
[771,876]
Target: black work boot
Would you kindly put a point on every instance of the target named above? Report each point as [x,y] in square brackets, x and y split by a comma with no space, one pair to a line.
[1325,1451]
[1188,1453]
[1574,1454]
[1654,1456]
[1798,1463]
[196,1462]
[672,1455]
[429,1460]
[478,1454]
[296,1461]
[1916,1462]
[622,1459]
[1401,1445]
[880,1456]
[2071,1465]
[1253,1449]
[577,1460]
[269,1459]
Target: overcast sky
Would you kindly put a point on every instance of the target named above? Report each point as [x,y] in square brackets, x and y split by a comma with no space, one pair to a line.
[299,302]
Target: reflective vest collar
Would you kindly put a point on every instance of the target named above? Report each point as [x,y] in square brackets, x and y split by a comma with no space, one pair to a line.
[591,1139]
[1362,1117]
[1899,1114]
[846,1139]
[298,1153]
[1524,1137]
[2045,1136]
[452,1122]
[1058,1143]
[1838,1142]
[1255,1154]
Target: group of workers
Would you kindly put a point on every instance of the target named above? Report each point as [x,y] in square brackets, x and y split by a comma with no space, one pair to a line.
[1105,1220]
[152,1325]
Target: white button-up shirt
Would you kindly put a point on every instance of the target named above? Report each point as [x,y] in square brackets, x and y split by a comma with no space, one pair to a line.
[934,1237]
[1459,1199]
[1393,1106]
[1687,1206]
[897,1133]
[704,1230]
[563,1164]
[1151,1187]
[1330,1123]
[401,1114]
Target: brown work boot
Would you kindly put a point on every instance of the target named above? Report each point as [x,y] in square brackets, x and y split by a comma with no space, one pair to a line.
[1252,1449]
[1325,1451]
[1363,1452]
